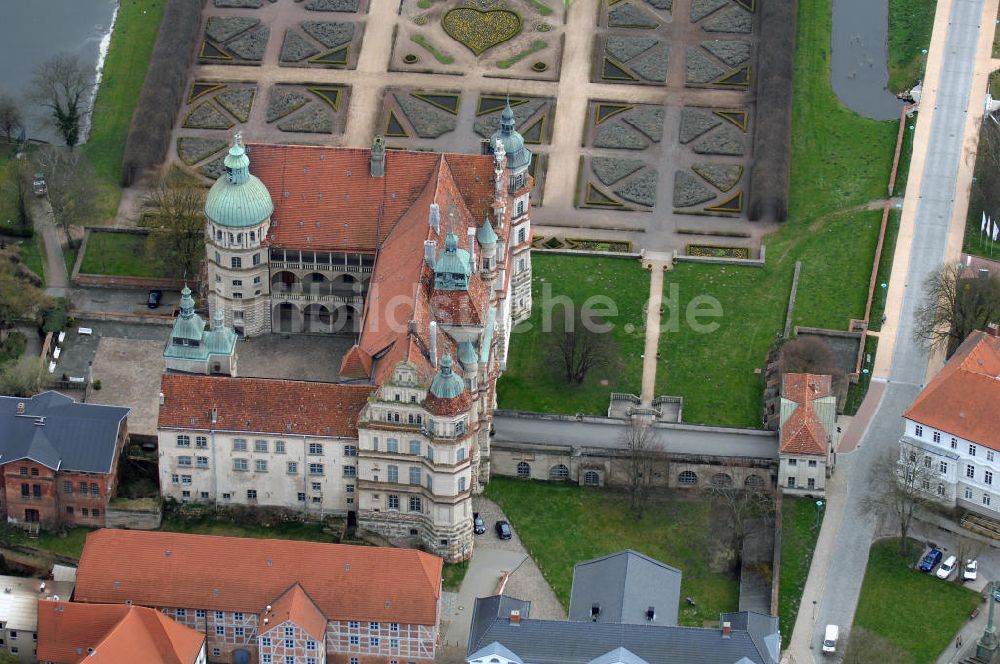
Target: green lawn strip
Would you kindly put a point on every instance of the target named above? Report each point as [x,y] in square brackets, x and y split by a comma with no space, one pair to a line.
[905,153]
[542,8]
[119,254]
[452,575]
[996,37]
[910,24]
[68,543]
[857,391]
[799,531]
[884,270]
[535,46]
[32,252]
[533,380]
[914,611]
[290,530]
[563,524]
[132,41]
[440,56]
[69,257]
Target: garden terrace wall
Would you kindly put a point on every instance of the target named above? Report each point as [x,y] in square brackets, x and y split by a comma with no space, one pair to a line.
[163,90]
[752,262]
[769,177]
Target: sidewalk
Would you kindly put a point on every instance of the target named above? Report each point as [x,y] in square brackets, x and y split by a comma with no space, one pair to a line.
[56,278]
[656,264]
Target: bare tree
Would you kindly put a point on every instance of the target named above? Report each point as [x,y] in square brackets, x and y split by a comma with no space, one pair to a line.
[643,446]
[966,549]
[20,298]
[985,195]
[71,182]
[742,505]
[864,647]
[11,118]
[62,85]
[579,344]
[910,482]
[953,307]
[175,216]
[809,354]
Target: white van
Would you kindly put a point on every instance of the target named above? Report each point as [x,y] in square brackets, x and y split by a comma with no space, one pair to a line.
[830,638]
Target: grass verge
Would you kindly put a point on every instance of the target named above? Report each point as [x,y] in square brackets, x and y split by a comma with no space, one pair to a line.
[452,575]
[533,380]
[119,254]
[916,612]
[125,67]
[884,270]
[32,252]
[857,391]
[563,524]
[910,24]
[799,530]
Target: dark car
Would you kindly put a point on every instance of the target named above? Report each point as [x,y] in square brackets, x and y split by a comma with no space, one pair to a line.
[931,560]
[154,298]
[503,530]
[478,525]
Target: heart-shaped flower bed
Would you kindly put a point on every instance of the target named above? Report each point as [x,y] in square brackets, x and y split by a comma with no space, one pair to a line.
[481,30]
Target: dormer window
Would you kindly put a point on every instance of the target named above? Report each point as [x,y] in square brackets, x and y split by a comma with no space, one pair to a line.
[230,176]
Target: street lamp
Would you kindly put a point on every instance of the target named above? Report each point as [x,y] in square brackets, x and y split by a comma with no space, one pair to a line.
[986,647]
[819,512]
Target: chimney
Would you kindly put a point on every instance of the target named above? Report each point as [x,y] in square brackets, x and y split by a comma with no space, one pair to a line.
[651,614]
[472,248]
[595,610]
[20,408]
[434,218]
[515,617]
[215,416]
[430,248]
[377,167]
[41,587]
[727,630]
[434,343]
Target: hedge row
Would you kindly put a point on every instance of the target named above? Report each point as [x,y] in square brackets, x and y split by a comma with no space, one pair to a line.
[772,144]
[163,90]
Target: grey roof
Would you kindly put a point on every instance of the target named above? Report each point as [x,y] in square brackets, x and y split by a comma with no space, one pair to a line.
[574,642]
[625,585]
[59,433]
[486,609]
[19,600]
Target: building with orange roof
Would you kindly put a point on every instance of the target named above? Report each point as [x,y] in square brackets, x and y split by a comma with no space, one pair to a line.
[424,260]
[73,632]
[952,427]
[807,418]
[273,601]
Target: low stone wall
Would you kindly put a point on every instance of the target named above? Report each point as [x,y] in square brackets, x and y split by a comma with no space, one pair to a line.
[137,283]
[751,262]
[132,519]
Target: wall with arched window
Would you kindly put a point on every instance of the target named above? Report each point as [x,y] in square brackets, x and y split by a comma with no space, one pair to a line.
[559,472]
[523,470]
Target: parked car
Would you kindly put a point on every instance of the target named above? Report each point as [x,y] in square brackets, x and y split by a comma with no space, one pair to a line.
[971,570]
[154,298]
[478,525]
[996,591]
[931,560]
[947,567]
[830,638]
[503,530]
[38,185]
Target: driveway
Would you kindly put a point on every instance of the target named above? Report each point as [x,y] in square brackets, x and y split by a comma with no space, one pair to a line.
[491,559]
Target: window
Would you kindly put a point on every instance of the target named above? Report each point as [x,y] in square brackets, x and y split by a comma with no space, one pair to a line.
[315,448]
[393,627]
[265,658]
[181,613]
[791,482]
[350,471]
[256,280]
[392,502]
[986,499]
[355,640]
[954,443]
[415,447]
[918,431]
[218,278]
[811,482]
[186,479]
[216,652]
[592,478]
[237,631]
[84,488]
[67,487]
[251,494]
[239,464]
[279,447]
[793,462]
[936,436]
[238,616]
[237,282]
[25,490]
[430,453]
[293,467]
[175,479]
[202,462]
[520,207]
[373,626]
[237,296]
[204,495]
[183,461]
[353,624]
[972,450]
[430,482]
[461,485]
[256,259]
[85,511]
[943,467]
[183,441]
[317,486]
[460,455]
[310,645]
[940,489]
[523,469]
[522,234]
[201,441]
[69,509]
[970,471]
[218,258]
[373,641]
[316,469]
[415,504]
[351,450]
[687,478]
[349,488]
[927,461]
[36,490]
[24,470]
[236,262]
[302,497]
[260,446]
[968,494]
[219,615]
[93,489]
[239,445]
[812,463]
[260,466]
[459,427]
[392,445]
[987,477]
[989,455]
[414,475]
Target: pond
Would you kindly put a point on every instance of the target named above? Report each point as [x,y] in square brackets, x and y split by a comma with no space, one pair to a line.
[32,31]
[859,64]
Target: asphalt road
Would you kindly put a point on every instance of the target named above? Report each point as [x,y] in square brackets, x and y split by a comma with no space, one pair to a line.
[849,557]
[598,432]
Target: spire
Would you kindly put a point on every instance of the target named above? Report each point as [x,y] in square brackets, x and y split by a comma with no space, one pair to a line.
[507,119]
[451,242]
[237,163]
[187,303]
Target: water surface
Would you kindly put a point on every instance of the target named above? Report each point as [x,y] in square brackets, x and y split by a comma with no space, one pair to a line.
[860,48]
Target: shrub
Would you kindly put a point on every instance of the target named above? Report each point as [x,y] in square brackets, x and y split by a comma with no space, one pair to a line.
[769,177]
[163,90]
[54,318]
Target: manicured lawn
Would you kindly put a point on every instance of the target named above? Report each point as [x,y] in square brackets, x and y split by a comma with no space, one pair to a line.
[799,530]
[562,525]
[32,252]
[119,254]
[124,72]
[533,380]
[910,24]
[916,612]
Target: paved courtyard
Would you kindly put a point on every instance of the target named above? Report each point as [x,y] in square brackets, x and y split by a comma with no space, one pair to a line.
[641,115]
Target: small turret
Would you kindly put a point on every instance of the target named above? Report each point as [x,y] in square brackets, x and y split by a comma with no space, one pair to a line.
[452,269]
[447,384]
[377,167]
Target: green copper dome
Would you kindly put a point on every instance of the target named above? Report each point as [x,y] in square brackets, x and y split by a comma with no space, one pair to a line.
[188,325]
[221,340]
[238,199]
[486,235]
[447,384]
[518,156]
[467,354]
[453,268]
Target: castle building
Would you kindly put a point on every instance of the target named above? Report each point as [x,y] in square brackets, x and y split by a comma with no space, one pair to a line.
[424,259]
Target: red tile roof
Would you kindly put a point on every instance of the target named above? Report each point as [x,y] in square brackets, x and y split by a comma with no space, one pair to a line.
[964,398]
[346,582]
[116,633]
[802,432]
[297,607]
[356,363]
[279,406]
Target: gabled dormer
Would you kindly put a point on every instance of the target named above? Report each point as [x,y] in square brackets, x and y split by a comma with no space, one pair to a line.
[453,267]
